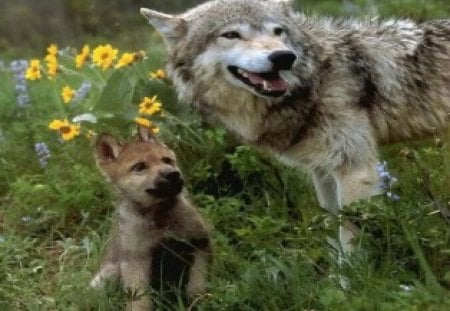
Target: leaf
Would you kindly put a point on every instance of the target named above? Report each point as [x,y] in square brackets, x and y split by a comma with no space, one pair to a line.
[117,95]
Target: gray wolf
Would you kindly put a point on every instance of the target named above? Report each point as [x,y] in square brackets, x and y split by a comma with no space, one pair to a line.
[154,220]
[317,93]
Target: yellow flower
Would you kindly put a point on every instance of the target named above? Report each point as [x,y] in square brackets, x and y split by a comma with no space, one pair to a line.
[52,65]
[81,58]
[104,55]
[67,94]
[158,74]
[147,123]
[129,58]
[34,70]
[125,60]
[91,134]
[149,106]
[52,49]
[66,129]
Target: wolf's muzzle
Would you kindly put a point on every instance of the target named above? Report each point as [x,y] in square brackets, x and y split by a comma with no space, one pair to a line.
[283,59]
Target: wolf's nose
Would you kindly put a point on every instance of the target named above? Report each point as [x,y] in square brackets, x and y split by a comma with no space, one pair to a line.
[172,176]
[282,60]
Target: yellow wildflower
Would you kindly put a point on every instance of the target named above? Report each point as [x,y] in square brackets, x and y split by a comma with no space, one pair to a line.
[125,60]
[67,94]
[52,65]
[129,58]
[104,55]
[147,123]
[158,74]
[81,58]
[150,106]
[91,134]
[67,130]
[34,70]
[52,49]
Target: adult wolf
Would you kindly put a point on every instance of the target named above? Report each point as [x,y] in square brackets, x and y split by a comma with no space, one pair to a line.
[317,93]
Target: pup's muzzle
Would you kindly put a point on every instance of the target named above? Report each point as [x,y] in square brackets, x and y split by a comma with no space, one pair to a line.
[169,184]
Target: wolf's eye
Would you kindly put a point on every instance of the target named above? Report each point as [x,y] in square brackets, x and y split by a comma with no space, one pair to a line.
[167,160]
[139,167]
[231,35]
[278,31]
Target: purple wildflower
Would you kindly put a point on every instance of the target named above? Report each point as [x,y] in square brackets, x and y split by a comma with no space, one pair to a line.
[386,180]
[18,68]
[43,154]
[82,91]
[23,99]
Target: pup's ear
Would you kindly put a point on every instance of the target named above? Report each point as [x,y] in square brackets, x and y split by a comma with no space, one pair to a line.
[107,149]
[146,134]
[170,26]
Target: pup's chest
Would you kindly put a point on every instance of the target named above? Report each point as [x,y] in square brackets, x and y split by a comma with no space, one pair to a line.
[140,235]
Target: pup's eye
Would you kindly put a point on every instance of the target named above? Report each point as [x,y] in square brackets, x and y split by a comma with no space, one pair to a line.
[278,31]
[139,167]
[231,35]
[167,160]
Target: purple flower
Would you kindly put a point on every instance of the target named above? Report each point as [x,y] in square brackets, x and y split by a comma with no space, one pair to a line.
[23,99]
[386,180]
[82,92]
[43,154]
[18,68]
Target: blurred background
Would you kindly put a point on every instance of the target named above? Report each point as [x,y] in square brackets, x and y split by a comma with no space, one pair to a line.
[28,26]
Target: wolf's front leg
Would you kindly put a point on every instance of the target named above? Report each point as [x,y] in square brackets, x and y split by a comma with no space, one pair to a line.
[198,273]
[354,184]
[136,277]
[325,187]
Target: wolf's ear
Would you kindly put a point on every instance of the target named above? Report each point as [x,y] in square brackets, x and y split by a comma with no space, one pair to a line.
[107,149]
[170,26]
[146,134]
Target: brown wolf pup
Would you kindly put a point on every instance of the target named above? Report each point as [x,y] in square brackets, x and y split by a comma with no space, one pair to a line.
[155,223]
[317,93]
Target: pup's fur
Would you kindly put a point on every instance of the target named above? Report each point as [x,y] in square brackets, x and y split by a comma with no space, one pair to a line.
[354,84]
[152,219]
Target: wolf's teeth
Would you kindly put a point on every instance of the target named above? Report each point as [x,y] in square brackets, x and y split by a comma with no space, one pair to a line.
[266,85]
[242,73]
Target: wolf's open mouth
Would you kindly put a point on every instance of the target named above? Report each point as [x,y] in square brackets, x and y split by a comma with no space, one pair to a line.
[265,83]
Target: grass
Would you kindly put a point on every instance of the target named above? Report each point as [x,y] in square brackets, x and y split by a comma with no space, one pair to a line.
[269,232]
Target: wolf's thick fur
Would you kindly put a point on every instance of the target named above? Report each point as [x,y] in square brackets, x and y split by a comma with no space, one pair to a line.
[155,223]
[354,84]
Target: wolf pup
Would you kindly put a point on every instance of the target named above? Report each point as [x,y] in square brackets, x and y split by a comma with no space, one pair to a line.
[315,92]
[155,222]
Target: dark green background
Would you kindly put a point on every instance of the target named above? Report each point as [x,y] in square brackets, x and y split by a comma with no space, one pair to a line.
[28,26]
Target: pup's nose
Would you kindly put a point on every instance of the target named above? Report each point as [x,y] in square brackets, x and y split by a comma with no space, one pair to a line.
[283,59]
[172,176]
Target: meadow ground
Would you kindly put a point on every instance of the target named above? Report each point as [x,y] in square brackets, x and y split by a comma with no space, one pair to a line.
[271,250]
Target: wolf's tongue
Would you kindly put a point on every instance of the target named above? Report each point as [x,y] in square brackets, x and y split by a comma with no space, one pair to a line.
[277,84]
